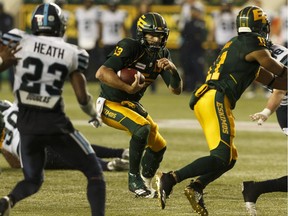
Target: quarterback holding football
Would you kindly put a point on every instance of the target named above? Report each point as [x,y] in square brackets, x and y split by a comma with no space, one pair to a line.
[119,102]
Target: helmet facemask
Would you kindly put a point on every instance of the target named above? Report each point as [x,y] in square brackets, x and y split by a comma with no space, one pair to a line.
[265,31]
[154,46]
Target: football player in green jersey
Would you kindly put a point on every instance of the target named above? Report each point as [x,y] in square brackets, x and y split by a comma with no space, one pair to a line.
[119,102]
[232,72]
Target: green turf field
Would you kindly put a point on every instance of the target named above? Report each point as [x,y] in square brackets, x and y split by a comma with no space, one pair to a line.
[262,155]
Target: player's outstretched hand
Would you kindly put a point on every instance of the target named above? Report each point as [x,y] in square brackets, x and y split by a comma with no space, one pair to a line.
[261,117]
[7,55]
[8,51]
[96,121]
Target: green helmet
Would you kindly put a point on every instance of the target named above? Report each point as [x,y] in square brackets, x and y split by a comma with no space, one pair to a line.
[253,19]
[152,23]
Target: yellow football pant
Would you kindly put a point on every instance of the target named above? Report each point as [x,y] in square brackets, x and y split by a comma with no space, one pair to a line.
[216,119]
[122,118]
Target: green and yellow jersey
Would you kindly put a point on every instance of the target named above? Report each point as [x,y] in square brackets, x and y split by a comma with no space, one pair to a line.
[129,53]
[230,72]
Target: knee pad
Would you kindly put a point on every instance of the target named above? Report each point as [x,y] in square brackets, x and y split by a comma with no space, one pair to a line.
[141,134]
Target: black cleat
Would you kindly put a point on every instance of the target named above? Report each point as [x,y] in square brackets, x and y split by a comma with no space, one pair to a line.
[250,196]
[194,194]
[137,186]
[165,183]
[5,206]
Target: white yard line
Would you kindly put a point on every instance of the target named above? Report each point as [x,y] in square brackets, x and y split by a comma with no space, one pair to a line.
[193,124]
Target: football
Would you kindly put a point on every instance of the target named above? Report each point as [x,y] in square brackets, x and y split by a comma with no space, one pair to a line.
[127,75]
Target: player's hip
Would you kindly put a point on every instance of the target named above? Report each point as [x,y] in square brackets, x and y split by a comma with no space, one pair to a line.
[124,116]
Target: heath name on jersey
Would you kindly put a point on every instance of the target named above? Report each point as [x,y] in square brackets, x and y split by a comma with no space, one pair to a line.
[49,50]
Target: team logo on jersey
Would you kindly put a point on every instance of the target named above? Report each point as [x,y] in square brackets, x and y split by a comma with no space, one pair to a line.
[140,65]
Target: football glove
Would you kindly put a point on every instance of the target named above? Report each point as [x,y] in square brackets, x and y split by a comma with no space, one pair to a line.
[96,121]
[261,116]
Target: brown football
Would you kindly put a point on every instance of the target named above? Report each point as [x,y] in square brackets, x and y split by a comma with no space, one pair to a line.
[127,75]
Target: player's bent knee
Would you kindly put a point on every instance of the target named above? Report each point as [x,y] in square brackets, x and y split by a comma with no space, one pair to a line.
[141,134]
[220,163]
[223,153]
[33,185]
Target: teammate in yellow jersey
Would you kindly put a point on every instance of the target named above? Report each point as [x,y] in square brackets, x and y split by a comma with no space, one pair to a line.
[236,67]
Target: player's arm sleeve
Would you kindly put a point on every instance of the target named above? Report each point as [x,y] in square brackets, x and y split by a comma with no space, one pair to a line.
[172,78]
[81,61]
[14,35]
[270,80]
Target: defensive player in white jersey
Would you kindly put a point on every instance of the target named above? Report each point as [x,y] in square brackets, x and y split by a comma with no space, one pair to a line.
[224,24]
[112,26]
[284,24]
[88,34]
[87,18]
[277,102]
[9,145]
[45,62]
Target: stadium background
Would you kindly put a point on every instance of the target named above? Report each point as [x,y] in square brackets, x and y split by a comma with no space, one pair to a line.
[262,152]
[21,10]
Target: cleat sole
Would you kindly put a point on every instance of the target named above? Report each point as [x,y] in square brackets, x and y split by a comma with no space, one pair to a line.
[161,193]
[190,194]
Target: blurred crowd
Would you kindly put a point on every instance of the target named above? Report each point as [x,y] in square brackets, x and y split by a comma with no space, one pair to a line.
[202,32]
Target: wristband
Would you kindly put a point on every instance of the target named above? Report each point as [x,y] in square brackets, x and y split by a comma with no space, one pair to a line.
[266,112]
[1,61]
